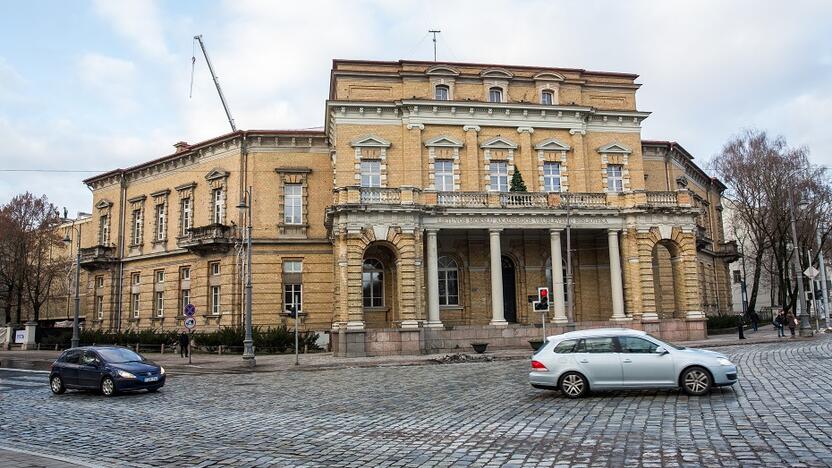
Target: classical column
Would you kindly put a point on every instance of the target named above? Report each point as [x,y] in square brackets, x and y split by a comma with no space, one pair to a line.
[615,277]
[497,317]
[557,295]
[433,281]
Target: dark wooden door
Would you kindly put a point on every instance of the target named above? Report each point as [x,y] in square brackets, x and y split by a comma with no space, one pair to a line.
[509,291]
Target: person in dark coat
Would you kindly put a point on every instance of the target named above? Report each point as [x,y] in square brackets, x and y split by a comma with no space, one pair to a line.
[779,322]
[755,317]
[791,322]
[184,342]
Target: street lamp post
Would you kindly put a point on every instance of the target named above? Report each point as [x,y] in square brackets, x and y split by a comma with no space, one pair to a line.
[248,342]
[823,279]
[805,328]
[67,240]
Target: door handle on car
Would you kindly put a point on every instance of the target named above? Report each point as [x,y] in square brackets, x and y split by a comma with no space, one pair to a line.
[627,360]
[584,361]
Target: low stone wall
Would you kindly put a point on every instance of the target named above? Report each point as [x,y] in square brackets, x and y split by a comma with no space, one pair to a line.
[395,341]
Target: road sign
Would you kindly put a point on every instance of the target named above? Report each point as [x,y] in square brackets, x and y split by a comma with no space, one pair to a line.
[189,310]
[542,302]
[811,272]
[190,323]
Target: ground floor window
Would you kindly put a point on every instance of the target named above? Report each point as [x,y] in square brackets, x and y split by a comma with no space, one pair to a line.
[448,282]
[215,300]
[372,283]
[99,306]
[185,299]
[134,305]
[160,303]
[292,297]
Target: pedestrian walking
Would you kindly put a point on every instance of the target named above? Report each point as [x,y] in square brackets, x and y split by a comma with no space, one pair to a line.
[184,344]
[780,322]
[791,322]
[754,319]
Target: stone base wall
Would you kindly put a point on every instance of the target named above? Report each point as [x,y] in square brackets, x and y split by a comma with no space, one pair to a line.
[395,341]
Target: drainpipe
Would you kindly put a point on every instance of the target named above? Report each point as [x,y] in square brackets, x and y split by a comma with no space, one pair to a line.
[119,279]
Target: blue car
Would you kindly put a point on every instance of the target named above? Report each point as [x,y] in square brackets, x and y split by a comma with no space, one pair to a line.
[109,369]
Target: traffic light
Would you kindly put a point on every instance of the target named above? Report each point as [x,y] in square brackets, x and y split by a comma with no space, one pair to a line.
[542,302]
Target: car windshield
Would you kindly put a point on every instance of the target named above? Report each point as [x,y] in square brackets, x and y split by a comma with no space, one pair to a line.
[117,355]
[667,343]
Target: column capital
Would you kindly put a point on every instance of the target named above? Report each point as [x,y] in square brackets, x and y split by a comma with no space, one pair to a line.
[495,230]
[580,131]
[468,128]
[431,230]
[554,231]
[528,130]
[415,126]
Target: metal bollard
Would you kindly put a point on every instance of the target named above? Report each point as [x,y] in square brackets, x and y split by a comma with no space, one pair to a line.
[163,348]
[219,350]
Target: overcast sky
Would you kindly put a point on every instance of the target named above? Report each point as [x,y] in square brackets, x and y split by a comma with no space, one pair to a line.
[92,86]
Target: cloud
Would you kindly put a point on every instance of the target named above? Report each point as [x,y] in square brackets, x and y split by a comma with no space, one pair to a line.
[139,22]
[11,82]
[110,78]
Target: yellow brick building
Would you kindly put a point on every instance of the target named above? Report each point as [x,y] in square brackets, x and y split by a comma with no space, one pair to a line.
[393,227]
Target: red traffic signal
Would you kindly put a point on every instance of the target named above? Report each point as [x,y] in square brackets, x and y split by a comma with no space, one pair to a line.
[542,303]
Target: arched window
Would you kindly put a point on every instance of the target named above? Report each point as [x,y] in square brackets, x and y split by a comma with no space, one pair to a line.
[550,280]
[448,282]
[372,283]
[495,94]
[442,93]
[547,97]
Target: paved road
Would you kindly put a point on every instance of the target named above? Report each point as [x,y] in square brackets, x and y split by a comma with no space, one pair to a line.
[482,414]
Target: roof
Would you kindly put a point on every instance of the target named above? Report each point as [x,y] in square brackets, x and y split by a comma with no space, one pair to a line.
[672,145]
[487,65]
[598,332]
[316,131]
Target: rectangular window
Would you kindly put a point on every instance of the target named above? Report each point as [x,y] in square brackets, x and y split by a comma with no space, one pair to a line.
[371,173]
[551,177]
[159,304]
[184,299]
[215,300]
[499,176]
[214,268]
[444,175]
[161,225]
[737,276]
[495,95]
[160,276]
[615,181]
[104,230]
[99,307]
[136,278]
[292,266]
[185,273]
[186,215]
[292,203]
[134,305]
[99,281]
[217,197]
[442,93]
[546,98]
[292,297]
[137,227]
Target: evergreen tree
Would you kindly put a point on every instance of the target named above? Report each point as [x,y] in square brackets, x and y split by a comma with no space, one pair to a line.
[517,184]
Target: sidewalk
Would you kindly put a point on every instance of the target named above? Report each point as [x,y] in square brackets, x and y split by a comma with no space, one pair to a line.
[232,363]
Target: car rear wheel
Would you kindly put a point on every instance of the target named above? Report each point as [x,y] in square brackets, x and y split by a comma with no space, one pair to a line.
[108,387]
[574,385]
[57,385]
[696,381]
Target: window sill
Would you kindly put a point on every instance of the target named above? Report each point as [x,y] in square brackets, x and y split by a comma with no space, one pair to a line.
[376,309]
[156,319]
[451,307]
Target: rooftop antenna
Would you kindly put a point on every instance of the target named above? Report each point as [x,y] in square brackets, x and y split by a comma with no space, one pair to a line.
[198,38]
[434,32]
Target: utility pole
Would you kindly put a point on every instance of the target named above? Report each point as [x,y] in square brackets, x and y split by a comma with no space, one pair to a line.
[805,327]
[434,32]
[570,290]
[823,279]
[198,38]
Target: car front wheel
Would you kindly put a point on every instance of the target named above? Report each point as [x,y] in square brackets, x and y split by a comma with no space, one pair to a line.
[108,387]
[57,385]
[574,385]
[696,381]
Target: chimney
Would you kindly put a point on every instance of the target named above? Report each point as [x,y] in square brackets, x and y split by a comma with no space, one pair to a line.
[181,146]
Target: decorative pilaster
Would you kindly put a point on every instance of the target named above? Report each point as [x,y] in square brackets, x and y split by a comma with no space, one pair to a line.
[524,163]
[472,166]
[615,277]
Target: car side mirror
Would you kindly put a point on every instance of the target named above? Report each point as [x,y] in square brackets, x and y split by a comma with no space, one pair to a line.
[661,350]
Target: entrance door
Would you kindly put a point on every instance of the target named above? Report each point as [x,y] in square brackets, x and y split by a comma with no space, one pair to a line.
[509,291]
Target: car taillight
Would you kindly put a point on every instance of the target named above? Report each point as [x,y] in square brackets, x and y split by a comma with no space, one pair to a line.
[537,365]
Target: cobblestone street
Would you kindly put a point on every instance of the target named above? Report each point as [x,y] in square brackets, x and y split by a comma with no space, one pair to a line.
[482,414]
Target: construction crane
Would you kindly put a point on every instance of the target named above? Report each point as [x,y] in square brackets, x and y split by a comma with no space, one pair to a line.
[198,38]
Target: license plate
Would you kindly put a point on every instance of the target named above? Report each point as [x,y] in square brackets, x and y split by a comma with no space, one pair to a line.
[151,379]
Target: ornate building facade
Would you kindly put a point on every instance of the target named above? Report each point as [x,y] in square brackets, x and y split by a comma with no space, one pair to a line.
[393,227]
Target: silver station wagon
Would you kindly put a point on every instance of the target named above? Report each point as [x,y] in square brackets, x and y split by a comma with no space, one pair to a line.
[620,358]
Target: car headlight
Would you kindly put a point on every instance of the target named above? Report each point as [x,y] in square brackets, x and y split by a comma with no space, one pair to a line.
[125,375]
[725,362]
[161,370]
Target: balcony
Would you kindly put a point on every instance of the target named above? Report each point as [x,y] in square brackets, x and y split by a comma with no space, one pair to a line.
[703,238]
[214,238]
[410,196]
[729,251]
[99,256]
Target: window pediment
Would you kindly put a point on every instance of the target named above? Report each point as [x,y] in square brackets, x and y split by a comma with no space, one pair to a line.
[216,174]
[370,141]
[496,73]
[104,204]
[548,76]
[444,141]
[499,142]
[552,144]
[442,70]
[615,148]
